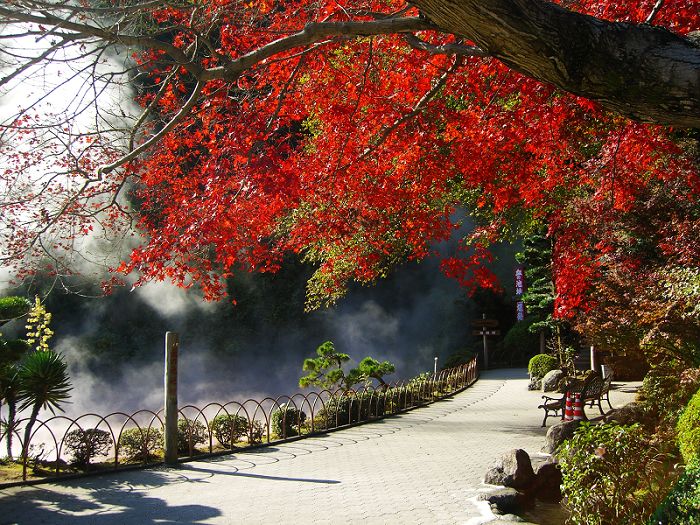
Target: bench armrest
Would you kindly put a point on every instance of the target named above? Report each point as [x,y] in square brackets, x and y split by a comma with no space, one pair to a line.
[548,398]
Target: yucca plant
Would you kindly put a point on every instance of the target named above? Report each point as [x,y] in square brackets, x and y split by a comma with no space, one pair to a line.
[43,383]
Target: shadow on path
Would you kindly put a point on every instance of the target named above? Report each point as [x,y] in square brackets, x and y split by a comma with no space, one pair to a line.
[238,473]
[106,502]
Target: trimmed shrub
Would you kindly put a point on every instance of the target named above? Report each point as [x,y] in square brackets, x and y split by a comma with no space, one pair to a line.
[689,429]
[682,505]
[228,429]
[667,390]
[346,409]
[255,432]
[612,475]
[87,443]
[540,364]
[286,422]
[13,306]
[140,444]
[190,433]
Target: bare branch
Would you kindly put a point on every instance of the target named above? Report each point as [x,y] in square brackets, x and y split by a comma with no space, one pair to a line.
[654,11]
[184,111]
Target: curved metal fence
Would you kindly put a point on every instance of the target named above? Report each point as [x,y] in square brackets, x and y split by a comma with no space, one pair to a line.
[61,446]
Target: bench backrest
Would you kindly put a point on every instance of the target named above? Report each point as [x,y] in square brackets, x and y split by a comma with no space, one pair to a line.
[593,387]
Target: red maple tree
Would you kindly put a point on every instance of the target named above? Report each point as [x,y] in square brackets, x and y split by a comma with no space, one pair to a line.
[349,147]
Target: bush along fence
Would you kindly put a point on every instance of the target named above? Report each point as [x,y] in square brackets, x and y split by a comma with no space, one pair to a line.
[62,446]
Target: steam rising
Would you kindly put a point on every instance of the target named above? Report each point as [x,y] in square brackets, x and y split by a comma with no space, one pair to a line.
[114,345]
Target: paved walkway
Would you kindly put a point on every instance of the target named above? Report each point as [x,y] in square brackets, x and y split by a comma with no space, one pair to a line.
[425,466]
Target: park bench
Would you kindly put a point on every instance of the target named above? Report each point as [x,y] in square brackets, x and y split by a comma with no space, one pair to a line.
[592,389]
[599,392]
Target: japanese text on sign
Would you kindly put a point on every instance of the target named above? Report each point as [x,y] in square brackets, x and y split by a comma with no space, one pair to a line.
[519,280]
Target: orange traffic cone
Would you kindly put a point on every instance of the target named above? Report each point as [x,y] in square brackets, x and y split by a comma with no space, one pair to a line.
[578,408]
[568,409]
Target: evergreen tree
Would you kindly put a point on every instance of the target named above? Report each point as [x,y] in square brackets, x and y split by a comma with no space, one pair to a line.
[539,296]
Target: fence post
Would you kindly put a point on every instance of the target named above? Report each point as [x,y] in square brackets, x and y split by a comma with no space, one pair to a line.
[172,342]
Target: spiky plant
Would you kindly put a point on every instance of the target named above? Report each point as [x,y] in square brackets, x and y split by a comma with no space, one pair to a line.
[43,383]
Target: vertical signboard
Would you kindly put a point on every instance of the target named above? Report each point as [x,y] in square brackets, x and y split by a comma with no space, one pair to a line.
[519,280]
[519,289]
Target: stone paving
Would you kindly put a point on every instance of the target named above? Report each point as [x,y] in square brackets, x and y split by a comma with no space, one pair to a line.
[422,467]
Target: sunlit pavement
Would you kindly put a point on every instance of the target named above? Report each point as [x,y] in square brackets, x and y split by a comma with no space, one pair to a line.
[425,466]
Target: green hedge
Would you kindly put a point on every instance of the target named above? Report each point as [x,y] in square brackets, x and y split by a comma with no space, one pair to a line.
[682,505]
[689,429]
[541,364]
[612,475]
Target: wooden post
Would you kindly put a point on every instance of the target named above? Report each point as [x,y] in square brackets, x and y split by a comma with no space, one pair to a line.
[172,342]
[594,361]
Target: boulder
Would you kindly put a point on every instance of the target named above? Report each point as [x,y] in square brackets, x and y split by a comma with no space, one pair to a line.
[506,501]
[627,415]
[514,469]
[559,433]
[547,483]
[550,382]
[535,384]
[506,519]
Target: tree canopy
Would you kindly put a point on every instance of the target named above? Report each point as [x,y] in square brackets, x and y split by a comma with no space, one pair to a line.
[345,132]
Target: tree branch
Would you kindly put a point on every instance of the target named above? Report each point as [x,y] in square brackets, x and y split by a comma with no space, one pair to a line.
[184,111]
[446,49]
[312,33]
[644,72]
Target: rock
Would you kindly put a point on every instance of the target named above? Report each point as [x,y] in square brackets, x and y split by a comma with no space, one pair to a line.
[559,433]
[627,415]
[550,382]
[512,470]
[535,384]
[547,484]
[506,501]
[495,476]
[505,519]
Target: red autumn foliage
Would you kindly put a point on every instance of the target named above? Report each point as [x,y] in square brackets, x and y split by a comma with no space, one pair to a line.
[356,153]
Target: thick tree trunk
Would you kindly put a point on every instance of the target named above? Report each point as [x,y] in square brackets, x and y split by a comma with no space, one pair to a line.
[644,72]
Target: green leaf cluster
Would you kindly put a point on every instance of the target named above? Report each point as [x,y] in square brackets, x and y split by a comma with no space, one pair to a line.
[541,364]
[689,430]
[286,422]
[612,475]
[682,505]
[228,429]
[12,350]
[85,444]
[326,370]
[190,433]
[13,307]
[140,444]
[44,381]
